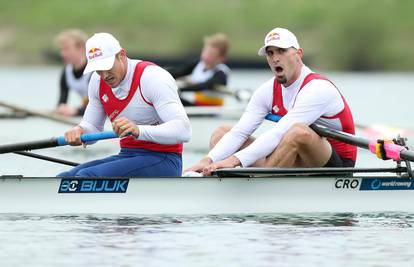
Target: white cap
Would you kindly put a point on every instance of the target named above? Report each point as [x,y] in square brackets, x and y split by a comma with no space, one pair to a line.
[281,38]
[101,49]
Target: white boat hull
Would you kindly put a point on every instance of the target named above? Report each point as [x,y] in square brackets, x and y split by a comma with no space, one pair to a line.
[178,195]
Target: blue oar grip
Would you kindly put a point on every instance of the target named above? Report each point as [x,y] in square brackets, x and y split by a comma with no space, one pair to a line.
[61,141]
[97,136]
[89,137]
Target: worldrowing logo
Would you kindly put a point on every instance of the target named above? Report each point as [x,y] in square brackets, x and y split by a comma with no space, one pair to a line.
[369,184]
[376,184]
[96,185]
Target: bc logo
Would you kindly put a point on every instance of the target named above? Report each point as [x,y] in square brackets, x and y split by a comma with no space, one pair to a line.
[93,185]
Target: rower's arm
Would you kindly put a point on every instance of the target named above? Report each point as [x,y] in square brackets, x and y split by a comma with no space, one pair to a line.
[94,117]
[259,106]
[318,98]
[64,89]
[160,89]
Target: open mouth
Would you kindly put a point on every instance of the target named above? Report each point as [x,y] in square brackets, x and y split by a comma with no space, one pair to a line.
[278,69]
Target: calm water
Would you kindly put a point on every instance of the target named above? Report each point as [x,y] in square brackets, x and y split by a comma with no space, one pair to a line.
[250,240]
[244,240]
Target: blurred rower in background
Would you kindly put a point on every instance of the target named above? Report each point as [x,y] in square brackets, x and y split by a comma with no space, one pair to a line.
[204,79]
[72,50]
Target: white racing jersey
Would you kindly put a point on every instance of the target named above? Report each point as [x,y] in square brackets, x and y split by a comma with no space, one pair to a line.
[155,107]
[79,85]
[319,101]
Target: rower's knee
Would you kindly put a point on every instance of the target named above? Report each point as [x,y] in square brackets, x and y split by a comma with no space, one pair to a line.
[298,134]
[218,134]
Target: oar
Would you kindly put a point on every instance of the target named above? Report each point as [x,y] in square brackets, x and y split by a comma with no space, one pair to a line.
[53,142]
[42,157]
[14,115]
[393,151]
[49,116]
[259,171]
[242,95]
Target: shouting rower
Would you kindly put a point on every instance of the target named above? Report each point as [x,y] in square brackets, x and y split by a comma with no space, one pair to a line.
[302,97]
[204,76]
[141,100]
[72,50]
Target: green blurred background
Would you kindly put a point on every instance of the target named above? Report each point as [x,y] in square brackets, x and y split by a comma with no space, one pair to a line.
[335,35]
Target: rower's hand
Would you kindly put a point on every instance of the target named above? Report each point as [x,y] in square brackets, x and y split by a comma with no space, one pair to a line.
[230,162]
[200,165]
[123,127]
[72,137]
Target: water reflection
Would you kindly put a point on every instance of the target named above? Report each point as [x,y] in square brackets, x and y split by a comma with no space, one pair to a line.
[212,240]
[298,219]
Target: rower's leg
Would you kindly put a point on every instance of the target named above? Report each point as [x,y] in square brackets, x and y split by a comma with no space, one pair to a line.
[75,171]
[300,147]
[137,162]
[221,131]
[218,134]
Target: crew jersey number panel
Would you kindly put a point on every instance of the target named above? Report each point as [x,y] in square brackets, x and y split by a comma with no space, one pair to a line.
[317,100]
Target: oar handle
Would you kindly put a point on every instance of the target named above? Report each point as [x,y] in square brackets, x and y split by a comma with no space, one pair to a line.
[91,137]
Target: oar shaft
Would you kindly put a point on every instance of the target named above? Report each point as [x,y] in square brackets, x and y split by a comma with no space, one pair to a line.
[25,146]
[406,154]
[54,117]
[54,142]
[330,133]
[393,151]
[340,136]
[42,157]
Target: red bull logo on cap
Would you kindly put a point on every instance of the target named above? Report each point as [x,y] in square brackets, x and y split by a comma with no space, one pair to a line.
[272,36]
[94,52]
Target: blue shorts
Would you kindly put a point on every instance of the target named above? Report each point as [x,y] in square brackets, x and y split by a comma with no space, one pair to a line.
[130,162]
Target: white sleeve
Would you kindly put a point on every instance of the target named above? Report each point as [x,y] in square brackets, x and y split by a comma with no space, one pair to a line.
[258,107]
[94,118]
[159,88]
[317,98]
